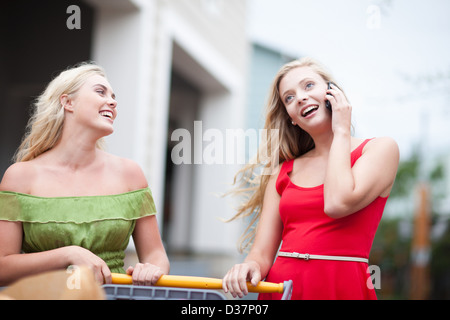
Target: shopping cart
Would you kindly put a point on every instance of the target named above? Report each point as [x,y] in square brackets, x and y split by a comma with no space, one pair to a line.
[184,288]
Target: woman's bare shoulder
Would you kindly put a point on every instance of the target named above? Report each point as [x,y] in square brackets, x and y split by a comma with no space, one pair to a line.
[384,144]
[131,172]
[18,177]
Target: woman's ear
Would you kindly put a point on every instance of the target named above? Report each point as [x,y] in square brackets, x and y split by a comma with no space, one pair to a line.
[66,102]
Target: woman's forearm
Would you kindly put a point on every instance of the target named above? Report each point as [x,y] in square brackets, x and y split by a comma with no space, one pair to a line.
[159,259]
[264,264]
[16,266]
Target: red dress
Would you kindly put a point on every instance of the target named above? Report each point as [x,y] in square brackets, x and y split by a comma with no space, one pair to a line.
[307,229]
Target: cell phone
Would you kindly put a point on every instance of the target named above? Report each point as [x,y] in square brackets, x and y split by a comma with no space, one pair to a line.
[328,103]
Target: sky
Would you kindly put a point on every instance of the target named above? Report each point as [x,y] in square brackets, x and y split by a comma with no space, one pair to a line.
[392,57]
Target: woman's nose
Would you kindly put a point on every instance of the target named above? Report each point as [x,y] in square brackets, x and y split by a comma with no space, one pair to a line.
[112,103]
[301,97]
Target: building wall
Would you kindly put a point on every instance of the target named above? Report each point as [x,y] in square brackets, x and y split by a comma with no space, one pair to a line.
[221,79]
[221,23]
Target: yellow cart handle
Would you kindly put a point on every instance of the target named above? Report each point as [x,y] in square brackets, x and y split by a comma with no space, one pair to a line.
[200,283]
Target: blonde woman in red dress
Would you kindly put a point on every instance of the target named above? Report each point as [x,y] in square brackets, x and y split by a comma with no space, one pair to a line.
[325,199]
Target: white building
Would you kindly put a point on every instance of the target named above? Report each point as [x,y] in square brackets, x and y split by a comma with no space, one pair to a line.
[170,62]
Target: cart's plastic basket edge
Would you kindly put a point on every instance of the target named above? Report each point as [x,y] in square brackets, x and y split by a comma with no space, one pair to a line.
[129,292]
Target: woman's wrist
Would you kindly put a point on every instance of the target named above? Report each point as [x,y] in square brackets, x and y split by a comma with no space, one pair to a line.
[67,254]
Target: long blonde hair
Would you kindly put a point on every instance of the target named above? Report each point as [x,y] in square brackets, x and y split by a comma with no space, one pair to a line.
[47,120]
[290,143]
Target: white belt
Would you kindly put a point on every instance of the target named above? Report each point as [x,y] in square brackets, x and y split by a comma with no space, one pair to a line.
[308,256]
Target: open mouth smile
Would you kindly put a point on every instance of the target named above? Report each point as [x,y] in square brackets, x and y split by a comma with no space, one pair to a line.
[107,114]
[309,110]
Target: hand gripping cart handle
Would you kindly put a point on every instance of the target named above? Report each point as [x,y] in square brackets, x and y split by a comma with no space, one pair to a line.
[209,284]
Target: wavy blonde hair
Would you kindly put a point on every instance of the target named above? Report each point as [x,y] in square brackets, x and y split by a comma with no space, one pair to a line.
[291,143]
[47,120]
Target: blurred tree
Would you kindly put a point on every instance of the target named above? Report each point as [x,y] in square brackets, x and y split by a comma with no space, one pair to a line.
[391,249]
[407,176]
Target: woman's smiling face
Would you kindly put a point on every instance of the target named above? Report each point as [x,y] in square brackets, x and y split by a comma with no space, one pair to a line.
[303,93]
[94,104]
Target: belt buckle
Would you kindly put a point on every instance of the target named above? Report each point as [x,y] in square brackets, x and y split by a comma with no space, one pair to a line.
[306,257]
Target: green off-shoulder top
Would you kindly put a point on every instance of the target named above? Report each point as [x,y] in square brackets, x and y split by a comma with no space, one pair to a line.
[101,224]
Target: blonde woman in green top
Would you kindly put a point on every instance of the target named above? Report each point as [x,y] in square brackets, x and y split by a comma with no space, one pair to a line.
[65,201]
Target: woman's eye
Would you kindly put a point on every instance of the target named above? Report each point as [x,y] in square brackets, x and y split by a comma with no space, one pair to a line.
[309,85]
[288,99]
[102,92]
